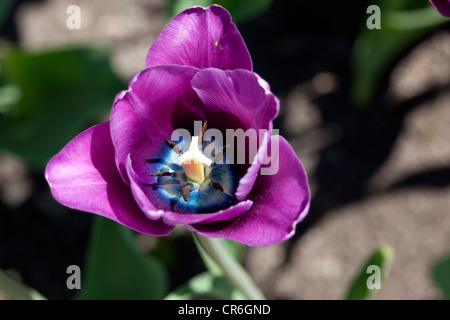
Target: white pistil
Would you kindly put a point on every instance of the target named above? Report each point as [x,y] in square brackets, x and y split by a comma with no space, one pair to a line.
[193,161]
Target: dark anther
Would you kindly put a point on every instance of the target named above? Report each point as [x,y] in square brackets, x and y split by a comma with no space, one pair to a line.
[185,190]
[160,174]
[204,126]
[175,147]
[217,186]
[219,154]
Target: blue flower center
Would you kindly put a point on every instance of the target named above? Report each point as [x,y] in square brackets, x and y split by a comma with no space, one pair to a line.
[193,183]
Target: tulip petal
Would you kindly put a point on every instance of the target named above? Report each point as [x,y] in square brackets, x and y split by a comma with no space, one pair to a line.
[239,99]
[280,201]
[158,101]
[442,6]
[236,95]
[172,218]
[83,176]
[202,38]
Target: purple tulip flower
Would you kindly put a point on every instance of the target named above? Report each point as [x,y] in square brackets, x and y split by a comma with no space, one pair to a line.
[198,69]
[443,6]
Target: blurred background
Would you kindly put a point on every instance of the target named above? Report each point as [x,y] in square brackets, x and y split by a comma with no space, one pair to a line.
[366,110]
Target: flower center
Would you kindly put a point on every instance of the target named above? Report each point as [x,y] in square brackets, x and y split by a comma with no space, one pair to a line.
[193,161]
[194,183]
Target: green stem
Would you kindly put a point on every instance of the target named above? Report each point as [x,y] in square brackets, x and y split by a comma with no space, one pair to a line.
[16,290]
[232,270]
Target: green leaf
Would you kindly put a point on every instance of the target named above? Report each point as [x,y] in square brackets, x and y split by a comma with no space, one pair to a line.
[381,258]
[206,285]
[374,50]
[10,95]
[117,270]
[174,7]
[57,94]
[240,10]
[245,10]
[440,273]
[17,290]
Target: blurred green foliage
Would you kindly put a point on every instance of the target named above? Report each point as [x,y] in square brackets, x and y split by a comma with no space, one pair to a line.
[206,285]
[382,257]
[211,284]
[403,22]
[17,290]
[240,10]
[47,98]
[236,250]
[116,269]
[440,272]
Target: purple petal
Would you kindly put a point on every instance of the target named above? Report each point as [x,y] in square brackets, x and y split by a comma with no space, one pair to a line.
[202,38]
[159,100]
[443,6]
[232,212]
[238,99]
[248,180]
[280,201]
[83,176]
[240,95]
[141,199]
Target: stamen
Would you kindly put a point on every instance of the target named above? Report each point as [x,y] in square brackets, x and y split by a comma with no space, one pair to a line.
[185,191]
[175,147]
[204,126]
[219,154]
[160,174]
[217,186]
